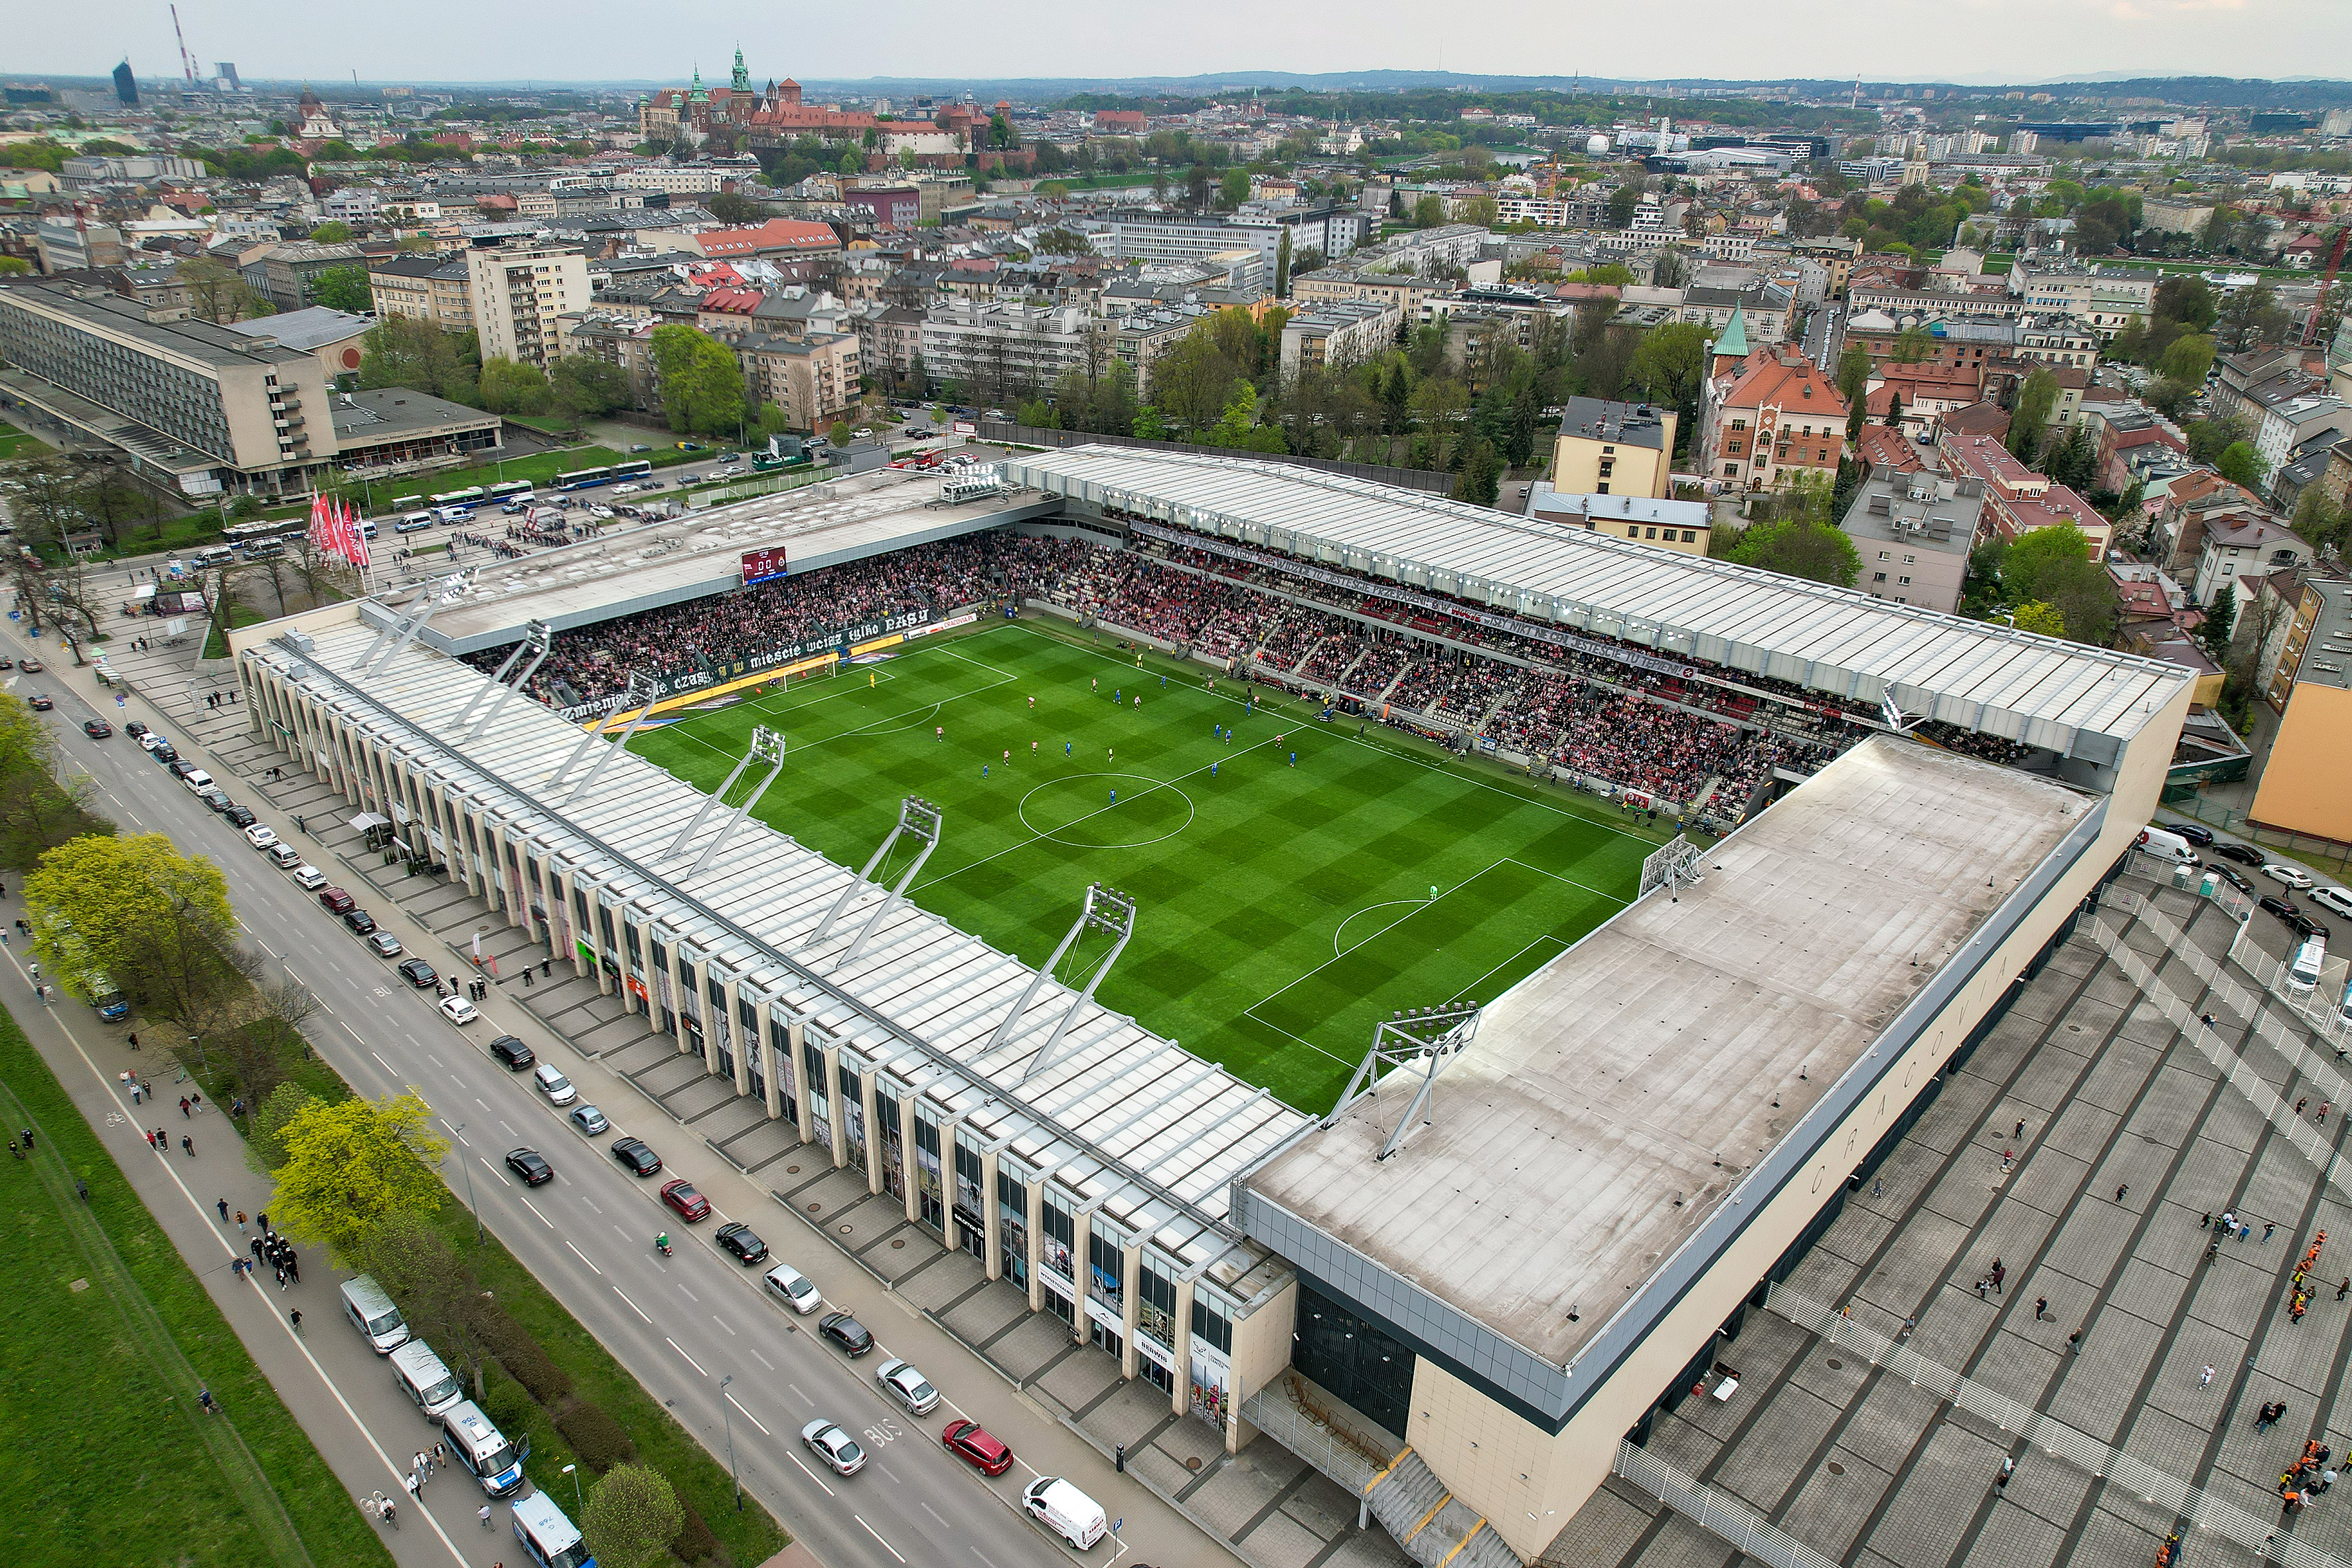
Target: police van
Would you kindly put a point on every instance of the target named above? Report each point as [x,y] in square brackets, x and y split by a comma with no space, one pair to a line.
[426,1379]
[483,1450]
[548,1538]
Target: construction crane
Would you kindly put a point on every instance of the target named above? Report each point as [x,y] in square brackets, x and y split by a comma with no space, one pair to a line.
[188,60]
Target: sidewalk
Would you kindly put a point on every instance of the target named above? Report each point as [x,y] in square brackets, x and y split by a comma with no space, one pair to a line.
[311,1368]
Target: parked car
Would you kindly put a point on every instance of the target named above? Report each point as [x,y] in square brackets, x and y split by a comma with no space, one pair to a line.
[242,817]
[590,1120]
[362,922]
[908,1387]
[383,945]
[690,1204]
[164,754]
[418,973]
[640,1160]
[2243,854]
[2232,876]
[149,738]
[551,1082]
[134,728]
[846,1332]
[215,800]
[336,900]
[180,769]
[458,1010]
[2201,836]
[837,1447]
[2305,928]
[739,1238]
[32,666]
[310,878]
[2336,899]
[285,857]
[261,836]
[793,1287]
[2288,875]
[528,1165]
[2280,908]
[967,1441]
[510,1052]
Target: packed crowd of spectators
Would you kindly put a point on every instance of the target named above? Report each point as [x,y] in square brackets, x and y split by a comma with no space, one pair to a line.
[596,662]
[1992,747]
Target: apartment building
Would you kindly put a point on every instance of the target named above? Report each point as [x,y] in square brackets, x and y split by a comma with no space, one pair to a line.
[1913,531]
[2101,298]
[1140,337]
[516,294]
[288,273]
[2301,786]
[1615,448]
[1768,418]
[1407,291]
[210,410]
[813,379]
[996,351]
[2244,546]
[402,285]
[1338,335]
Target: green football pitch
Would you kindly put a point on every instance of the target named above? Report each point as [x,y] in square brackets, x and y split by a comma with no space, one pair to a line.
[1283,909]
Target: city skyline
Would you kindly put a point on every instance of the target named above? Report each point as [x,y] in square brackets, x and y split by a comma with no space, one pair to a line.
[2074,39]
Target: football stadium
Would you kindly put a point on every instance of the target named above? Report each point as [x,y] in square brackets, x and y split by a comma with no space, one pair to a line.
[1401,979]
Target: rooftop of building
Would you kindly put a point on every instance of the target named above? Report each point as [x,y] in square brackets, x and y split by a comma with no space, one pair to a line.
[313,328]
[395,412]
[201,341]
[1915,508]
[1611,1101]
[1619,424]
[1583,510]
[2327,654]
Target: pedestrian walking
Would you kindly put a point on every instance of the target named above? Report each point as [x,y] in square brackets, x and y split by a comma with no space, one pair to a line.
[2020,1128]
[281,1276]
[2206,1378]
[2041,1308]
[257,1248]
[262,1219]
[2244,1231]
[196,1098]
[1877,1183]
[295,1318]
[2007,1468]
[485,1516]
[222,1205]
[2206,1222]
[184,1107]
[2074,1341]
[2121,1190]
[134,1041]
[151,1142]
[2268,1226]
[188,1146]
[2301,1103]
[205,1398]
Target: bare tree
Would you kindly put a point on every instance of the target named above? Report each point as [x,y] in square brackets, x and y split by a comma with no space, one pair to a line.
[437,1290]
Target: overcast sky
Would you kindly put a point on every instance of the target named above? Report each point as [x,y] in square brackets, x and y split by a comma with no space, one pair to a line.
[576,40]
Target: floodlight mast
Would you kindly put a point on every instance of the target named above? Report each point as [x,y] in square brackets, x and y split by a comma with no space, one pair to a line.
[1106,910]
[642,692]
[447,592]
[918,817]
[768,746]
[538,638]
[1421,1038]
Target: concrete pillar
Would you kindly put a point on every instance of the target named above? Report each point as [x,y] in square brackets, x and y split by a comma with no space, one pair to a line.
[734,989]
[835,1123]
[873,1132]
[1036,1206]
[765,1040]
[991,1213]
[1082,1226]
[795,1036]
[1179,1346]
[1130,1305]
[912,1166]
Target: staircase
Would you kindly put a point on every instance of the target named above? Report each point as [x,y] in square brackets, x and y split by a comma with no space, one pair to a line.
[1436,1529]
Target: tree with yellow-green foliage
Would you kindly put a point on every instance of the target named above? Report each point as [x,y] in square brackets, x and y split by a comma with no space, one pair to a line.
[2041,617]
[156,921]
[353,1164]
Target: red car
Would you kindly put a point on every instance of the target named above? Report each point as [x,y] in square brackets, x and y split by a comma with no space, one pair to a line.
[690,1205]
[337,900]
[967,1442]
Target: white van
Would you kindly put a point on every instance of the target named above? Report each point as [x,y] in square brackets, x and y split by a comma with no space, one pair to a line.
[214,555]
[454,513]
[197,780]
[2167,845]
[2302,970]
[548,1538]
[424,1378]
[372,1313]
[483,1449]
[1066,1511]
[415,522]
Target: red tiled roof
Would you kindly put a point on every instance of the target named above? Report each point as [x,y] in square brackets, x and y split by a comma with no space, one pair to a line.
[1767,380]
[1882,447]
[778,234]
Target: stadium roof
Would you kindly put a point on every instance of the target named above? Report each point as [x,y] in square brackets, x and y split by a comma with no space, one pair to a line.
[701,554]
[1127,1121]
[2076,701]
[1623,1110]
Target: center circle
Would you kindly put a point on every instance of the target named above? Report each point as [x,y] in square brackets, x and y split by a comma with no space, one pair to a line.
[1078,811]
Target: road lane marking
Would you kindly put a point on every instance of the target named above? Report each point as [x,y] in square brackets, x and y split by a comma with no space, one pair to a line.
[724,1324]
[681,1350]
[763,1360]
[354,1034]
[812,1475]
[381,1062]
[878,1535]
[584,1258]
[803,1398]
[534,1209]
[640,1311]
[748,1416]
[689,1295]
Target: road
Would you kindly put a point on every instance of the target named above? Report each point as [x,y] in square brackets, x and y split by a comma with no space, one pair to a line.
[1826,336]
[683,1324]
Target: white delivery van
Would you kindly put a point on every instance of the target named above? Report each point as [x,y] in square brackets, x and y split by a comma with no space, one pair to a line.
[415,522]
[372,1313]
[550,1539]
[2167,845]
[2303,970]
[1066,1511]
[424,1378]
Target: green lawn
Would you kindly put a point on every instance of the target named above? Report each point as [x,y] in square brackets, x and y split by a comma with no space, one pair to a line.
[106,1340]
[1284,910]
[15,443]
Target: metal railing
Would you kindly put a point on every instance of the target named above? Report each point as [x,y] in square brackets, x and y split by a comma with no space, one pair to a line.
[2152,1486]
[2303,846]
[1720,1515]
[1317,1442]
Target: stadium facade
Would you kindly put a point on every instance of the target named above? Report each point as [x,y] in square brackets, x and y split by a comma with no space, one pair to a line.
[1489,1269]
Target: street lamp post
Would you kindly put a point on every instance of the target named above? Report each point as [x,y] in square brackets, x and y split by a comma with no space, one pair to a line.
[573,1471]
[727,1415]
[459,1130]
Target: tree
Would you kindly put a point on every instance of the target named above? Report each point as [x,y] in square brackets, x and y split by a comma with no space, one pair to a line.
[1479,209]
[1913,345]
[1622,201]
[2040,618]
[1282,265]
[1482,471]
[509,386]
[1669,268]
[156,921]
[1233,189]
[2167,397]
[1800,546]
[1001,133]
[2221,620]
[2251,316]
[580,387]
[1671,366]
[334,231]
[1854,385]
[1428,211]
[1199,186]
[264,1128]
[216,293]
[2035,399]
[2241,465]
[36,811]
[2209,438]
[436,1288]
[2186,299]
[633,1516]
[2057,566]
[2188,359]
[730,207]
[351,1165]
[702,382]
[400,350]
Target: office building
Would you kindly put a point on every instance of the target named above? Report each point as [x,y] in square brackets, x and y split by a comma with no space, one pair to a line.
[516,294]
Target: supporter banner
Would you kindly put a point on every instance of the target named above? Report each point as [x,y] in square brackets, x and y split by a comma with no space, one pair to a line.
[946,626]
[1534,631]
[676,683]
